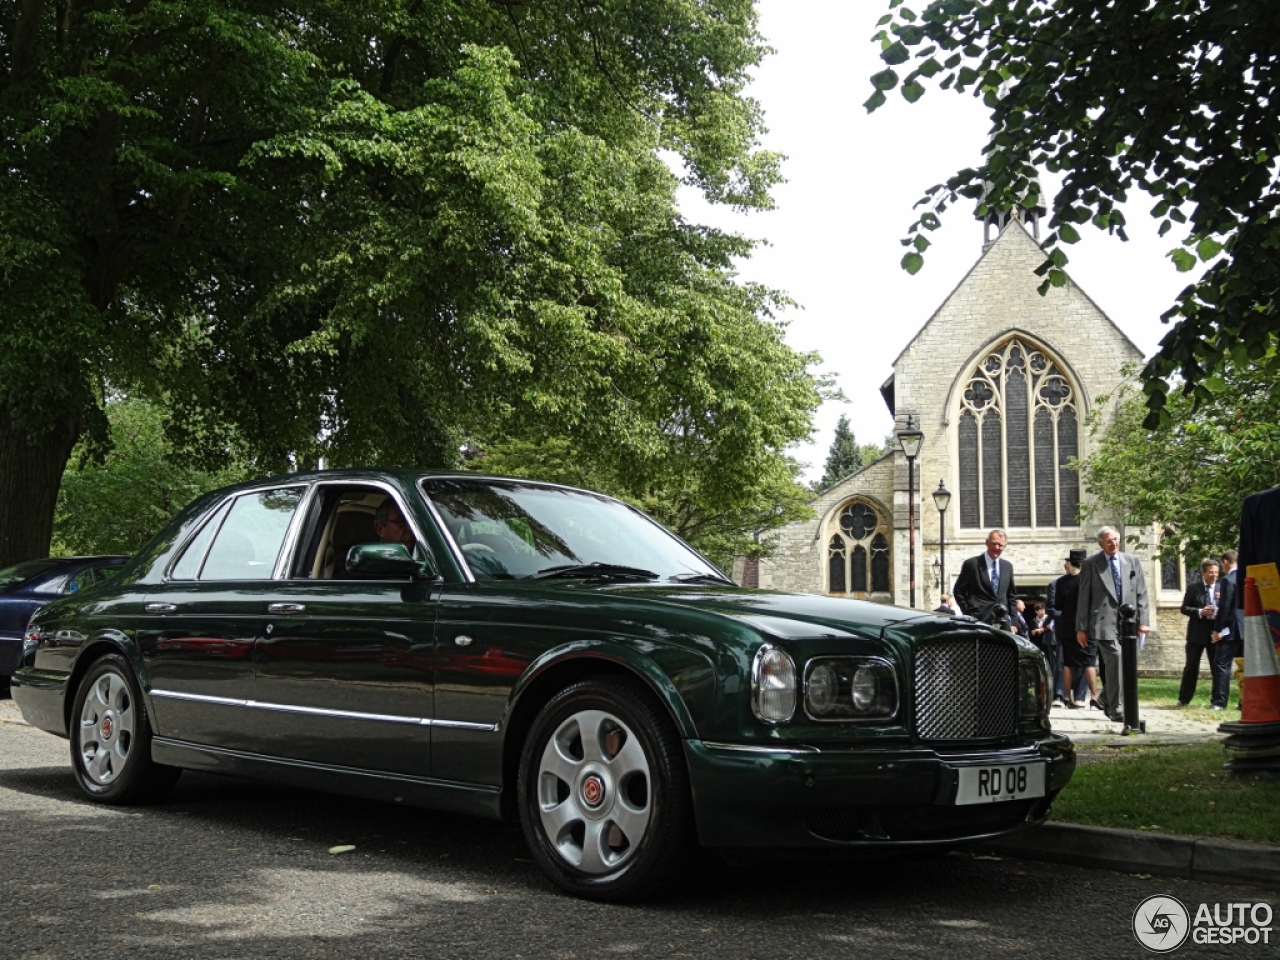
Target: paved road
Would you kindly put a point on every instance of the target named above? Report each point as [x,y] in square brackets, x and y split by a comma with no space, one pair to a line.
[229,868]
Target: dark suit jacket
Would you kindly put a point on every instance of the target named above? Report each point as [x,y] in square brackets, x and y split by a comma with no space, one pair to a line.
[973,588]
[1199,629]
[1259,534]
[1229,615]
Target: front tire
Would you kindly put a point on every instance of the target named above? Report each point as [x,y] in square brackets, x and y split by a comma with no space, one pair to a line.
[604,794]
[111,738]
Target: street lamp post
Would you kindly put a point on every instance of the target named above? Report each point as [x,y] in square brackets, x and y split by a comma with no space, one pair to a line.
[941,498]
[910,438]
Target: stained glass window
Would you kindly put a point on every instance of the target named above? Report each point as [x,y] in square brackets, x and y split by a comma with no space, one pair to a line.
[858,552]
[1017,430]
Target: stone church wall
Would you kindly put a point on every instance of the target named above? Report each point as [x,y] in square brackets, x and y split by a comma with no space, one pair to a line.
[799,556]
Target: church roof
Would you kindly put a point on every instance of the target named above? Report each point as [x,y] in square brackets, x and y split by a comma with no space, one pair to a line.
[887,389]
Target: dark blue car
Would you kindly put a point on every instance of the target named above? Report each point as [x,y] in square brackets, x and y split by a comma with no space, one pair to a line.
[25,587]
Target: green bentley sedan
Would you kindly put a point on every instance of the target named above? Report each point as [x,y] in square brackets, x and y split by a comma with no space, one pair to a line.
[514,649]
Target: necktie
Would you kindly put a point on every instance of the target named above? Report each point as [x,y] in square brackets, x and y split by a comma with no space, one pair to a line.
[995,577]
[1115,576]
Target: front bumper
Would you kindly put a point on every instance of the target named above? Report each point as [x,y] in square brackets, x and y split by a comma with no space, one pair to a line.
[864,798]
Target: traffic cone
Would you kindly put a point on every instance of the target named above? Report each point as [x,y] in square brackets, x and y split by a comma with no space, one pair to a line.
[1260,687]
[1253,743]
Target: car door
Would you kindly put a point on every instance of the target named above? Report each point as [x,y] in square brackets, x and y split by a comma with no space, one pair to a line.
[344,663]
[197,630]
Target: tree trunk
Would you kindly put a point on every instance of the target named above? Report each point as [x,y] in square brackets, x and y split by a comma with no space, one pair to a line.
[31,470]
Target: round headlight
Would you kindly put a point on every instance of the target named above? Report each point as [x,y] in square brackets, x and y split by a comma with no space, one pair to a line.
[865,688]
[824,687]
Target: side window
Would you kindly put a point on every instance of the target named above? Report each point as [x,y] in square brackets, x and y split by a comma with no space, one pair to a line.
[188,564]
[249,540]
[81,580]
[344,516]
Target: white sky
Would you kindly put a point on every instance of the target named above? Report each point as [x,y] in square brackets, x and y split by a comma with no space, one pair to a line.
[853,179]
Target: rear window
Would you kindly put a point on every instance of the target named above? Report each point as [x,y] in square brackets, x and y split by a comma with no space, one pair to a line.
[22,572]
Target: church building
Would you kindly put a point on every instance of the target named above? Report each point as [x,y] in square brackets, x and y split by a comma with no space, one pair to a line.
[1000,383]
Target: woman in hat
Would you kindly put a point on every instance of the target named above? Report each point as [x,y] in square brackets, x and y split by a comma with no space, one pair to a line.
[1063,596]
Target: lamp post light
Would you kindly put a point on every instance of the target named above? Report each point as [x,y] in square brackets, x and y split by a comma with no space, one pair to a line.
[937,577]
[941,498]
[910,438]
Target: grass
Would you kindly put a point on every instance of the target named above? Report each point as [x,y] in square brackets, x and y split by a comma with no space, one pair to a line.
[1163,692]
[1178,789]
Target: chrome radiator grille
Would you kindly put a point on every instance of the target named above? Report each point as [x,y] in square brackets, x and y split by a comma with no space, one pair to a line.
[966,688]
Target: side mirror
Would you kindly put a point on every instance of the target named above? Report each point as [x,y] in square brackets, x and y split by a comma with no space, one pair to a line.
[388,560]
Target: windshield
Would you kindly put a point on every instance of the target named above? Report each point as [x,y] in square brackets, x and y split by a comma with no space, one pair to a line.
[22,572]
[507,529]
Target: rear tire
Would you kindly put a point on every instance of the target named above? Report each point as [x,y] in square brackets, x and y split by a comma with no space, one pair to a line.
[111,738]
[604,794]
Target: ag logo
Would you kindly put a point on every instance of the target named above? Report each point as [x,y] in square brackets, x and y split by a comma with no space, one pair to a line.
[1161,924]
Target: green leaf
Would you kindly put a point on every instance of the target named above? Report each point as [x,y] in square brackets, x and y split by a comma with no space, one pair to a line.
[1057,278]
[885,80]
[921,242]
[877,99]
[913,91]
[1183,260]
[1215,385]
[895,54]
[967,76]
[912,263]
[1207,249]
[1068,233]
[885,19]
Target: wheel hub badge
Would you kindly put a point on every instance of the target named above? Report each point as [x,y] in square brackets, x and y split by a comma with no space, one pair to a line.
[593,791]
[107,727]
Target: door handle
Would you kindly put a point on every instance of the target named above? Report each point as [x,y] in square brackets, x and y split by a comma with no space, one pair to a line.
[286,607]
[161,607]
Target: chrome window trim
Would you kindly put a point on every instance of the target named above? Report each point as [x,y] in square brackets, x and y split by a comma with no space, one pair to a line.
[862,658]
[284,559]
[323,712]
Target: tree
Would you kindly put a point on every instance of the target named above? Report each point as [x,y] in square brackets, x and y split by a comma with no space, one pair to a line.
[1176,99]
[371,230]
[1192,472]
[115,500]
[844,457]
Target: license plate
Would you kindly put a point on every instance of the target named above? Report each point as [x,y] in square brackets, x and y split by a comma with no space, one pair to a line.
[1013,781]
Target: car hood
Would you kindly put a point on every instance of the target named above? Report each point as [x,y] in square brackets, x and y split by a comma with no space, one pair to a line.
[787,615]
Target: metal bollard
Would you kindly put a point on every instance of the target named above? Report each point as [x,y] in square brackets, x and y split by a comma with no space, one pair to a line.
[1129,669]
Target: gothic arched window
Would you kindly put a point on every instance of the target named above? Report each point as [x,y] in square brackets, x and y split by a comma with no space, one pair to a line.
[1018,428]
[858,551]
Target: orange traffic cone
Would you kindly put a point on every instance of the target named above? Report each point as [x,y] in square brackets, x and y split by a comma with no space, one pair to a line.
[1260,686]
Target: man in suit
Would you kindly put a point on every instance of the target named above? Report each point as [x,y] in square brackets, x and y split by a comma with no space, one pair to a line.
[1108,580]
[1200,607]
[986,580]
[1227,632]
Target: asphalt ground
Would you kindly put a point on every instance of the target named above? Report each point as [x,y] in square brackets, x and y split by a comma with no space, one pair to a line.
[230,868]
